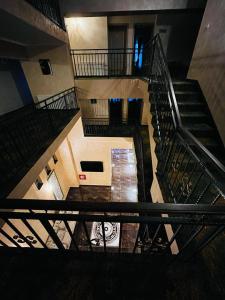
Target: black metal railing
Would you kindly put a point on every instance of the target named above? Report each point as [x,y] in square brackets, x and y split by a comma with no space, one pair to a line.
[39,224]
[50,9]
[189,172]
[26,133]
[110,62]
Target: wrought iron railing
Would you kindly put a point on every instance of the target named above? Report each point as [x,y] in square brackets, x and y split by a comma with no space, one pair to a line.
[189,172]
[110,62]
[82,227]
[50,9]
[26,133]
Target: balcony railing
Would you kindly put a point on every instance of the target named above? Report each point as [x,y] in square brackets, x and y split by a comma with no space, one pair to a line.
[50,9]
[26,133]
[188,172]
[137,228]
[110,62]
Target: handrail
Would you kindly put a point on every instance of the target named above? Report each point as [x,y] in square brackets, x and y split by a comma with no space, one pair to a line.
[123,207]
[179,123]
[58,94]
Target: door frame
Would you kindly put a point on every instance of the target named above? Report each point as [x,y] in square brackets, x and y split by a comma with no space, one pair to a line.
[122,101]
[125,27]
[141,109]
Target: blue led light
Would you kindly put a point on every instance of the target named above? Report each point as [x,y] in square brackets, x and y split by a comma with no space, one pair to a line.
[136,51]
[115,100]
[140,62]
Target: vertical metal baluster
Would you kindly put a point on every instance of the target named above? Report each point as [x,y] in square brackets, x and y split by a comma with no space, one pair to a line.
[71,235]
[138,234]
[203,193]
[17,231]
[34,233]
[48,227]
[173,237]
[9,238]
[87,235]
[103,233]
[120,238]
[195,187]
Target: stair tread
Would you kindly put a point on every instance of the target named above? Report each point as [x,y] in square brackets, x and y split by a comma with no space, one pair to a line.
[200,126]
[193,114]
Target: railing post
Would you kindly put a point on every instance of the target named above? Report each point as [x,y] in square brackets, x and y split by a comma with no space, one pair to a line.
[53,129]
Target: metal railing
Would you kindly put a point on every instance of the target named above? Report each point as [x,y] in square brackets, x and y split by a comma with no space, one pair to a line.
[50,9]
[39,224]
[189,172]
[26,133]
[110,62]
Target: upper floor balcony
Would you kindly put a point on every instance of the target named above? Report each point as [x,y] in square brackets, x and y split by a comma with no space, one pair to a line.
[27,132]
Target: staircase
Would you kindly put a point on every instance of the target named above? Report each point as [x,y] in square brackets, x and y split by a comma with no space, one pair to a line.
[196,116]
[190,152]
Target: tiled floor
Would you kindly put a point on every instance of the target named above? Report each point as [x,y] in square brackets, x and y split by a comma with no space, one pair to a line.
[123,189]
[124,176]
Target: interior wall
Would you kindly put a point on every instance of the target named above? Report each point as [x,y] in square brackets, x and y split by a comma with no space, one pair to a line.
[87,33]
[65,172]
[14,90]
[95,149]
[42,86]
[130,22]
[114,88]
[208,61]
[178,37]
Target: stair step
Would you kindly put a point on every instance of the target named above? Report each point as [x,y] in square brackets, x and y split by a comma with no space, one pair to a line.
[201,130]
[190,106]
[189,97]
[185,86]
[194,118]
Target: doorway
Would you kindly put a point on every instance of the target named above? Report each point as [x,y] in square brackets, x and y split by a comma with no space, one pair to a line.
[135,111]
[117,38]
[115,111]
[143,33]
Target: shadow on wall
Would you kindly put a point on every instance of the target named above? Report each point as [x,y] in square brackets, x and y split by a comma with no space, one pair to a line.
[109,88]
[14,90]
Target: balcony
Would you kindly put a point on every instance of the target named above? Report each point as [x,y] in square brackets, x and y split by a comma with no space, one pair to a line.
[49,9]
[130,62]
[26,133]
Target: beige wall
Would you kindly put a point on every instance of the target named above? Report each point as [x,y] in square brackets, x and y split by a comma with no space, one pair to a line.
[95,149]
[64,170]
[208,61]
[47,85]
[87,33]
[114,88]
